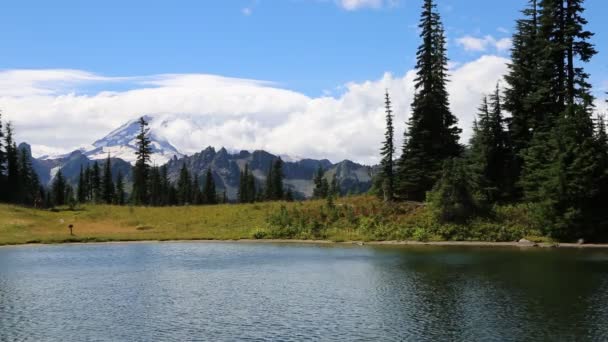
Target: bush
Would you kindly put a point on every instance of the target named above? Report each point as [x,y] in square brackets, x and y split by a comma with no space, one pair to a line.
[451,199]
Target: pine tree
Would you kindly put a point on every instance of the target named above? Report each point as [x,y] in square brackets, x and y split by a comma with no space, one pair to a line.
[12,165]
[184,186]
[87,183]
[210,192]
[563,170]
[197,194]
[96,186]
[432,134]
[155,187]
[490,154]
[277,180]
[247,191]
[387,152]
[3,184]
[82,191]
[120,189]
[321,189]
[289,195]
[451,199]
[108,189]
[251,188]
[141,169]
[166,187]
[29,185]
[334,188]
[269,190]
[59,189]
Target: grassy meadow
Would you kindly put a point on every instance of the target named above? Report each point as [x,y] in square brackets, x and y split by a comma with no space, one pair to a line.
[359,218]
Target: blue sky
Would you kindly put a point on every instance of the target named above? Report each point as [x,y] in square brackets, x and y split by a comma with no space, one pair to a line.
[62,58]
[306,45]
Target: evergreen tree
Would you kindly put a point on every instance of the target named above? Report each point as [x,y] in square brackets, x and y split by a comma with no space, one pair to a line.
[197,194]
[321,189]
[108,189]
[523,99]
[432,134]
[82,191]
[120,189]
[210,192]
[247,191]
[166,187]
[269,190]
[87,183]
[141,169]
[59,189]
[563,172]
[29,185]
[451,199]
[155,187]
[96,186]
[12,165]
[3,184]
[289,195]
[334,189]
[184,186]
[489,154]
[277,180]
[387,153]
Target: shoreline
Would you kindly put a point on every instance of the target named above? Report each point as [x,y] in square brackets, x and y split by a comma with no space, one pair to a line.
[338,243]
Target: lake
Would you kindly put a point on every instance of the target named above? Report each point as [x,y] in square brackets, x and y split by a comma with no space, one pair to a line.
[241,291]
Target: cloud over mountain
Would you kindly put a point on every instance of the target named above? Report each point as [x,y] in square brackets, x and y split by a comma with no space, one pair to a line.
[59,109]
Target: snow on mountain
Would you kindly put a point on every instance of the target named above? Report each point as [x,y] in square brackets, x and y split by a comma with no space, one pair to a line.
[121,143]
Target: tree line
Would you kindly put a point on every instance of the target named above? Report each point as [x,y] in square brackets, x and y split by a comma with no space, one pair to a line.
[151,185]
[535,141]
[19,183]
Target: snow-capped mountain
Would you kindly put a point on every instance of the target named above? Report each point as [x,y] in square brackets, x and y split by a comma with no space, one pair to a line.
[121,143]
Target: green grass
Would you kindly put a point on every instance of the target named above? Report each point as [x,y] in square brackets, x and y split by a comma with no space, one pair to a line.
[359,218]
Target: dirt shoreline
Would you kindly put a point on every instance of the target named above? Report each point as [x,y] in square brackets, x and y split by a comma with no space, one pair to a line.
[352,243]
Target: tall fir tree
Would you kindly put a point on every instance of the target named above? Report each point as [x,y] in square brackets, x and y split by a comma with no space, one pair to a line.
[3,184]
[197,194]
[490,154]
[141,170]
[563,169]
[155,187]
[269,189]
[432,134]
[29,184]
[165,186]
[96,186]
[81,191]
[184,186]
[277,180]
[87,183]
[525,93]
[108,189]
[247,191]
[209,191]
[387,152]
[58,189]
[12,165]
[120,189]
[321,186]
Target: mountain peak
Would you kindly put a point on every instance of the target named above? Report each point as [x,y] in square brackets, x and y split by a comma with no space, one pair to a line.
[121,143]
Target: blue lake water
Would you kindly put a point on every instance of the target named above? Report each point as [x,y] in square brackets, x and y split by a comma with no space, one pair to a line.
[239,291]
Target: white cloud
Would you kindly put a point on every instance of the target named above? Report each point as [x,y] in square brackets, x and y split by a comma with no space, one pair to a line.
[201,110]
[353,5]
[470,43]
